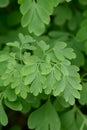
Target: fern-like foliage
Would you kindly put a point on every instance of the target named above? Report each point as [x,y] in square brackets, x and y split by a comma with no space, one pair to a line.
[51,71]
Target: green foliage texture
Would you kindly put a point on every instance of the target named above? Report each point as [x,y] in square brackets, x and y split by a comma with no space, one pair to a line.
[43,63]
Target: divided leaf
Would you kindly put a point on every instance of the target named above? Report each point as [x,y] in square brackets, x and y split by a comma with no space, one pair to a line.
[44,118]
[38,84]
[36,15]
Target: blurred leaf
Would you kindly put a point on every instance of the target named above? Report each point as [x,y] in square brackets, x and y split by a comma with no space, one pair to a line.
[4,3]
[62,13]
[3,116]
[83,93]
[67,119]
[83,2]
[81,35]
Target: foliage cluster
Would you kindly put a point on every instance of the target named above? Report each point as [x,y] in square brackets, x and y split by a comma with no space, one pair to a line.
[43,63]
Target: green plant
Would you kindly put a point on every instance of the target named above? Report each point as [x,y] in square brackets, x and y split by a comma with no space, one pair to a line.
[43,71]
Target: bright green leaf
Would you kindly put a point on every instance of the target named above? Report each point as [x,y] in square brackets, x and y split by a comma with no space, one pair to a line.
[28,69]
[29,78]
[43,45]
[59,87]
[38,84]
[45,68]
[15,44]
[50,83]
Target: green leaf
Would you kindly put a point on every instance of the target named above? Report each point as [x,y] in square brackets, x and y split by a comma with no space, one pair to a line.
[67,119]
[60,104]
[38,84]
[26,106]
[36,15]
[68,53]
[29,78]
[72,92]
[59,87]
[27,46]
[20,88]
[81,34]
[43,45]
[64,69]
[15,44]
[16,105]
[7,79]
[26,38]
[59,46]
[18,84]
[10,94]
[57,73]
[3,57]
[3,116]
[78,49]
[83,93]
[4,3]
[50,120]
[61,52]
[30,60]
[50,83]
[45,68]
[62,14]
[28,69]
[61,35]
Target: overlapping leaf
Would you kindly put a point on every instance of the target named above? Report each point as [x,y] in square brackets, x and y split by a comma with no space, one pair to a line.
[63,75]
[16,105]
[54,73]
